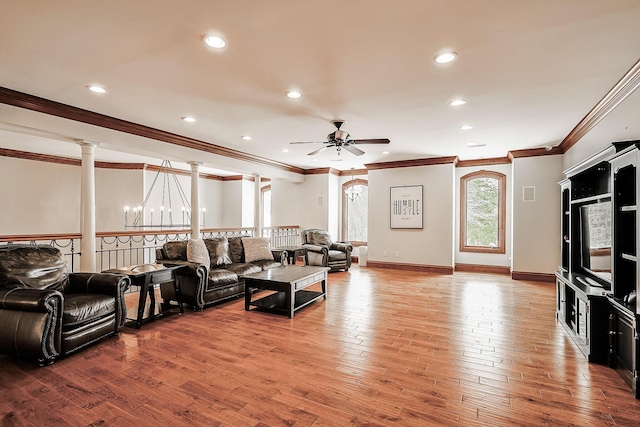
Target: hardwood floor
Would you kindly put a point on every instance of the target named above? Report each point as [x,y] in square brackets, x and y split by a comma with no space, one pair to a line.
[386,348]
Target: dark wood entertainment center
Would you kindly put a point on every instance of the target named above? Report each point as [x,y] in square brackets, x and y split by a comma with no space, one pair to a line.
[597,281]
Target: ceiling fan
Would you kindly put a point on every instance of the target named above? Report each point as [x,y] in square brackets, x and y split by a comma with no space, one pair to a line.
[341,139]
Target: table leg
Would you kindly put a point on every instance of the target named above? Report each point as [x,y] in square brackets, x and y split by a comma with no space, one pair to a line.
[291,300]
[142,300]
[178,291]
[247,297]
[324,287]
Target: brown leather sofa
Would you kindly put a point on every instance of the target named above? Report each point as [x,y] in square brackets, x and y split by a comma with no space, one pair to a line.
[47,312]
[322,251]
[200,286]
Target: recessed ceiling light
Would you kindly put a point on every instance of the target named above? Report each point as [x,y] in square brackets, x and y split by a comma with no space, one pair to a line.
[284,150]
[189,119]
[315,160]
[294,94]
[457,102]
[246,137]
[475,144]
[215,42]
[385,152]
[96,89]
[444,58]
[466,127]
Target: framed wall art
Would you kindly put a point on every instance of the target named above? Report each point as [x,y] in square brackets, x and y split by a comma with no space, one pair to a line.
[406,206]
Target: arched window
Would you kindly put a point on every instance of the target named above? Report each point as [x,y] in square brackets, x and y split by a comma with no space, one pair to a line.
[355,211]
[266,205]
[482,212]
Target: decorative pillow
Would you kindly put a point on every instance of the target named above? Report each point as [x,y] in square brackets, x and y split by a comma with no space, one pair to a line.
[218,250]
[256,249]
[319,237]
[176,251]
[236,251]
[197,252]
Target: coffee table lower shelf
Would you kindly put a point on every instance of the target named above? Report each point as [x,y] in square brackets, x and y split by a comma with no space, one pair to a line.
[277,302]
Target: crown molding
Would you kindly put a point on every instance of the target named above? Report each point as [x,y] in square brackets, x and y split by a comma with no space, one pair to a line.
[618,93]
[318,171]
[53,108]
[483,162]
[354,172]
[68,161]
[414,162]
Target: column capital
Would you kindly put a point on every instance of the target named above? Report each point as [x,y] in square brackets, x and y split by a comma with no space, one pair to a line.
[87,143]
[194,163]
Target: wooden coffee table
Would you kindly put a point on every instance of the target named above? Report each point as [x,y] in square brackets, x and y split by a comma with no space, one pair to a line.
[289,283]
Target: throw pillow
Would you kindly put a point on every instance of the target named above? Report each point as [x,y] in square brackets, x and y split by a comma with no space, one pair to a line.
[218,250]
[235,249]
[197,252]
[256,249]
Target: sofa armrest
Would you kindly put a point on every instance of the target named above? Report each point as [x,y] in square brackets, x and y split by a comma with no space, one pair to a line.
[194,278]
[21,299]
[98,283]
[342,246]
[315,248]
[31,323]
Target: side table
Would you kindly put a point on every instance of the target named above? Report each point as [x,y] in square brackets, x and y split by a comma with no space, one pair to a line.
[147,276]
[293,252]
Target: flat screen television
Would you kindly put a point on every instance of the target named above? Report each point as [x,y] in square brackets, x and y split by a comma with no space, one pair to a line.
[595,239]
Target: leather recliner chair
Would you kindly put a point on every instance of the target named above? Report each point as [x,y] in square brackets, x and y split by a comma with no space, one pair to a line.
[324,252]
[47,312]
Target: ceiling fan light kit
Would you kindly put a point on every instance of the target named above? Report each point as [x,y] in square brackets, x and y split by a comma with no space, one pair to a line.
[341,139]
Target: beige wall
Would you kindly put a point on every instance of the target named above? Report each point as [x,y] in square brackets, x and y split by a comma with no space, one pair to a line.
[433,245]
[536,225]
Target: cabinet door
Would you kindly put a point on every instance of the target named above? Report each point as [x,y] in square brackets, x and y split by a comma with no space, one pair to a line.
[582,321]
[560,299]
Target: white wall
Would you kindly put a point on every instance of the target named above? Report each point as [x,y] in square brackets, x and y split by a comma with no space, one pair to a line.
[38,197]
[232,204]
[295,203]
[433,245]
[116,188]
[334,200]
[248,202]
[503,260]
[211,199]
[536,225]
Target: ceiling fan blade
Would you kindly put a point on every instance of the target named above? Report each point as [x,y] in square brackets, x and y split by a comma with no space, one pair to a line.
[353,150]
[370,141]
[318,150]
[307,142]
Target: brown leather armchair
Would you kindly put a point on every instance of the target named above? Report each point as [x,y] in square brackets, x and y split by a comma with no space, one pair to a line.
[47,312]
[324,252]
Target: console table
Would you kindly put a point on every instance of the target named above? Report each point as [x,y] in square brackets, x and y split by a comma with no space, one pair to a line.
[146,276]
[289,283]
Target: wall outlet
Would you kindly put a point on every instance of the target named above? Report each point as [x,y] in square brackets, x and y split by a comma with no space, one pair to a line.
[384,253]
[397,254]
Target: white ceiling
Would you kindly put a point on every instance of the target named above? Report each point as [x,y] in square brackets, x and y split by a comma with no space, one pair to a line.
[530,70]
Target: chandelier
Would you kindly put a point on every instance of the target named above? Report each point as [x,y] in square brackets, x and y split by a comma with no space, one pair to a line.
[166,212]
[353,191]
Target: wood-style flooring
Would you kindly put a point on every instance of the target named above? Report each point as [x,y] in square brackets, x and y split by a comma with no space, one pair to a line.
[387,348]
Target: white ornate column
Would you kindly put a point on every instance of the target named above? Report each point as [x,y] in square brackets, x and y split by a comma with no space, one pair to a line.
[88,207]
[257,207]
[195,199]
